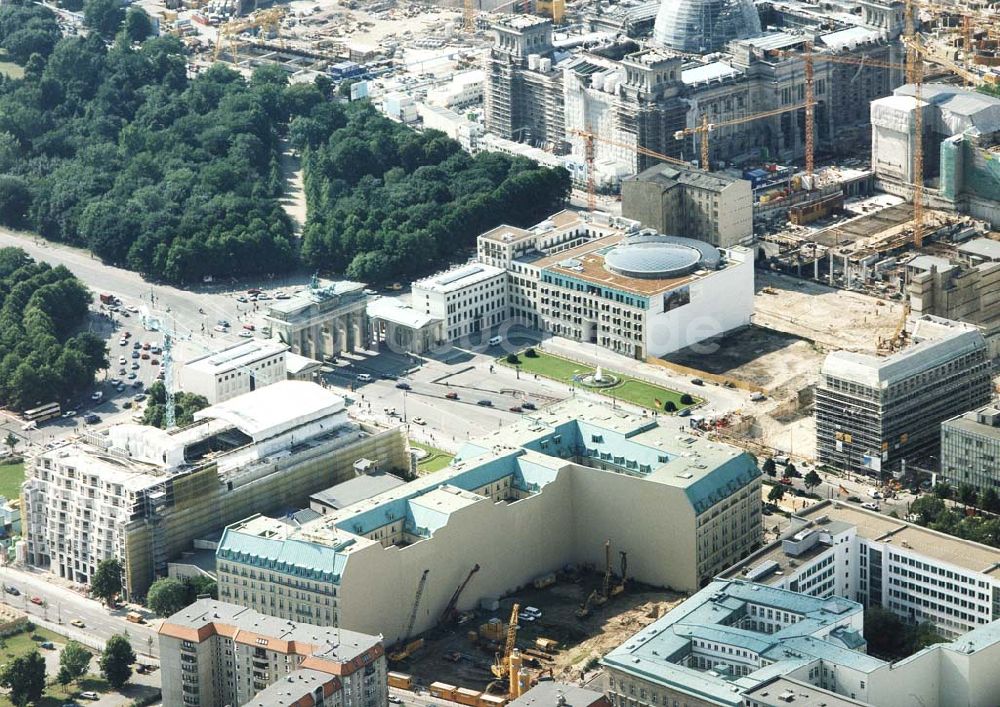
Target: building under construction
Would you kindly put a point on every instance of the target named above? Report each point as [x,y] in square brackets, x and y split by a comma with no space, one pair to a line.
[646,99]
[516,505]
[876,414]
[144,494]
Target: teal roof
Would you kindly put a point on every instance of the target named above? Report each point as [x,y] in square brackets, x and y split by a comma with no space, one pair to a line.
[716,614]
[286,555]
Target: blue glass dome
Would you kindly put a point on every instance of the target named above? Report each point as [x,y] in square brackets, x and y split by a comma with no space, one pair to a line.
[700,26]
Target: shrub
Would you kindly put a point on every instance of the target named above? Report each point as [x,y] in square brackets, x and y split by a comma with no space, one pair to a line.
[513,359]
[669,406]
[687,399]
[530,353]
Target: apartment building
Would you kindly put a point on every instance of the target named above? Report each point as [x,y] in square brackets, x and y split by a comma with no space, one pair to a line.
[970,448]
[836,549]
[216,654]
[234,370]
[516,504]
[741,644]
[714,208]
[471,299]
[143,495]
[873,414]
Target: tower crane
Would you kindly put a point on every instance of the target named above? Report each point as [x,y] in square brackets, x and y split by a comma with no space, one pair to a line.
[269,19]
[706,127]
[501,666]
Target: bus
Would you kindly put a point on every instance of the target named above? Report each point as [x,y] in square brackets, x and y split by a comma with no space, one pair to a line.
[42,412]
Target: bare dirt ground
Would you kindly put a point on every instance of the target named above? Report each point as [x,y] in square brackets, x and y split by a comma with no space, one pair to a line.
[294,198]
[834,319]
[581,641]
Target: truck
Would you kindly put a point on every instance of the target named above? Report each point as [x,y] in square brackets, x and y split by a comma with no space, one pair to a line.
[134,617]
[107,298]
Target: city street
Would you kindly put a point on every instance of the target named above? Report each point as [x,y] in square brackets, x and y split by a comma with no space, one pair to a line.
[63,605]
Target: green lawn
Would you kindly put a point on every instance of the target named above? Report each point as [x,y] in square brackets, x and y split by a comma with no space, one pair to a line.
[11,476]
[629,389]
[435,460]
[9,68]
[55,694]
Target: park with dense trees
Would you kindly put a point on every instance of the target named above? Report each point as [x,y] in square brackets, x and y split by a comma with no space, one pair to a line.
[43,358]
[387,203]
[107,144]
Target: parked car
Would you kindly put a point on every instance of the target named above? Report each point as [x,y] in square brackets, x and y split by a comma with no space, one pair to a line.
[139,398]
[147,346]
[92,419]
[145,356]
[69,413]
[127,405]
[870,506]
[697,381]
[37,600]
[516,408]
[136,345]
[136,384]
[12,590]
[528,405]
[48,645]
[90,695]
[136,354]
[485,403]
[97,396]
[451,395]
[121,360]
[122,342]
[364,377]
[403,385]
[245,334]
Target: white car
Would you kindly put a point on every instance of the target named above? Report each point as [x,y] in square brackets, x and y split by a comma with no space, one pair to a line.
[122,361]
[419,421]
[123,342]
[870,506]
[246,334]
[97,397]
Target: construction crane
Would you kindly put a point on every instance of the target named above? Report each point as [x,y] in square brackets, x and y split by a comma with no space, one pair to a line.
[403,650]
[915,76]
[268,20]
[449,611]
[607,570]
[501,666]
[706,127]
[588,148]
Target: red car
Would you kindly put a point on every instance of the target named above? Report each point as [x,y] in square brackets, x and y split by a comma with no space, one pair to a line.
[249,327]
[452,395]
[37,600]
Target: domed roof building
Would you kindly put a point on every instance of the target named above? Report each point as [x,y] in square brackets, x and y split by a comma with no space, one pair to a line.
[700,26]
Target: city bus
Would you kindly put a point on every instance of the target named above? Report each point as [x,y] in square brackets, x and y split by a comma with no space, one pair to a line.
[42,412]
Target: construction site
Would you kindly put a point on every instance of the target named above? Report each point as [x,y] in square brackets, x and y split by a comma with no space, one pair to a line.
[556,628]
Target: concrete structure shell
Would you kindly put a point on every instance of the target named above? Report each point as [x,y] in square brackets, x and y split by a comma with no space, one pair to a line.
[519,503]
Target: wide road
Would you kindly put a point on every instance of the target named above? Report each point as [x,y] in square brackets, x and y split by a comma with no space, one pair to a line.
[62,605]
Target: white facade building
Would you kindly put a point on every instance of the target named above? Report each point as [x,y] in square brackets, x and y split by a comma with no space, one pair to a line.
[214,654]
[143,495]
[838,549]
[235,370]
[470,299]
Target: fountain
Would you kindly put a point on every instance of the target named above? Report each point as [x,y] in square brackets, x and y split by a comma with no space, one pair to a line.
[598,379]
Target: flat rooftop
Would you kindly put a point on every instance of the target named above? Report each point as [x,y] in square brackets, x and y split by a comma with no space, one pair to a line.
[787,691]
[237,356]
[357,489]
[969,421]
[459,278]
[586,262]
[207,616]
[839,516]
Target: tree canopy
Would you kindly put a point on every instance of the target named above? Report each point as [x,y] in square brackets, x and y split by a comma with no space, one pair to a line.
[73,662]
[109,145]
[24,676]
[168,595]
[185,406]
[116,661]
[386,203]
[107,580]
[115,149]
[42,357]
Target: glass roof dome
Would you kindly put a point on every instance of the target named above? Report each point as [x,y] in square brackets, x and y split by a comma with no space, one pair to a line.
[658,257]
[699,26]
